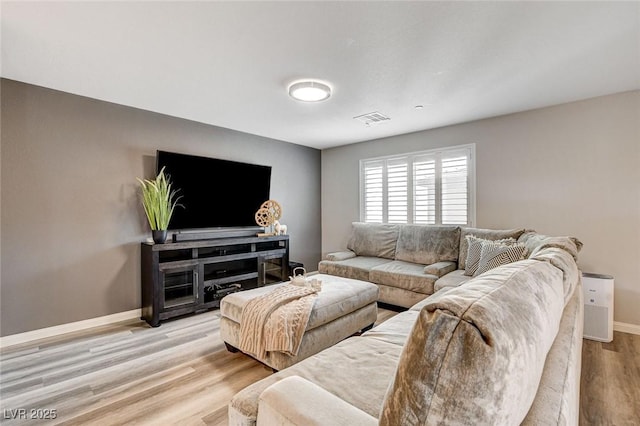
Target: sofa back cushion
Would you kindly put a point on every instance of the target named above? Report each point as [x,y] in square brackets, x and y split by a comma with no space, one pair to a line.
[373,239]
[535,242]
[476,353]
[426,244]
[485,234]
[564,261]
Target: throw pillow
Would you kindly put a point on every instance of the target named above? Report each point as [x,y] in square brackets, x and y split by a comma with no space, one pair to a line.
[474,248]
[487,234]
[494,254]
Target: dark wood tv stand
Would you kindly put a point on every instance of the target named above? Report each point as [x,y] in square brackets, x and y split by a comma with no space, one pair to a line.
[192,276]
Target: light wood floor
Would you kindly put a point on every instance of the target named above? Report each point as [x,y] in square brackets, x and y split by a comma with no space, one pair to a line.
[610,385]
[180,373]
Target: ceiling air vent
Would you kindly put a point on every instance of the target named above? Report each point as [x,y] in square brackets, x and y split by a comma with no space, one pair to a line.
[372,118]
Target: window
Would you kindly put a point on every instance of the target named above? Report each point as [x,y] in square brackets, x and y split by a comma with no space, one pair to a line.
[434,187]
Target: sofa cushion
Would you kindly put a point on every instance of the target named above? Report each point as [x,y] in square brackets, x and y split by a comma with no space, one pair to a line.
[341,255]
[357,268]
[476,352]
[534,242]
[398,296]
[494,254]
[373,239]
[452,279]
[487,234]
[334,371]
[405,275]
[427,244]
[562,260]
[440,269]
[558,398]
[396,329]
[295,401]
[417,307]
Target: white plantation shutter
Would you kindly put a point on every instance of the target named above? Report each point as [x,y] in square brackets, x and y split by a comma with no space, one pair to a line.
[455,188]
[397,197]
[424,190]
[431,187]
[373,191]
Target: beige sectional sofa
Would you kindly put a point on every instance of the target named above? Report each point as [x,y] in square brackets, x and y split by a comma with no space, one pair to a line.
[408,262]
[502,347]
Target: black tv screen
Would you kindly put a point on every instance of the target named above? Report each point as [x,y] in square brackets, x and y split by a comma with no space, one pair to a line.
[215,193]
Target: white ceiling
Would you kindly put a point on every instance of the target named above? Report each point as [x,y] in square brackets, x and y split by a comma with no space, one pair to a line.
[229,63]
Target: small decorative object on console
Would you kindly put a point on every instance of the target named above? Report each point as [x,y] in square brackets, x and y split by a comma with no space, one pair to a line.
[280,228]
[159,201]
[268,214]
[263,217]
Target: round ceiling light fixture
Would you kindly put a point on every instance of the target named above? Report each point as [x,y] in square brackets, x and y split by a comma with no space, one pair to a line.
[309,91]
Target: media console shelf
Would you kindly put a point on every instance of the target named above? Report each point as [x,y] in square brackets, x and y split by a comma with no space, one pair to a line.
[192,276]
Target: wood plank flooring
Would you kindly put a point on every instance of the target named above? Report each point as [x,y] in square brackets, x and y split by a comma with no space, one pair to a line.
[180,373]
[610,381]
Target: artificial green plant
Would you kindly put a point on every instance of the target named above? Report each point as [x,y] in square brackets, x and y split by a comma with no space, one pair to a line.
[159,200]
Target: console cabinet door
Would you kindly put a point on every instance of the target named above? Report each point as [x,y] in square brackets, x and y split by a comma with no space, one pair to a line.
[272,269]
[178,287]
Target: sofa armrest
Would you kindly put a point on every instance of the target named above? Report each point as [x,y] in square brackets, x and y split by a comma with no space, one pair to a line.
[341,255]
[296,401]
[440,268]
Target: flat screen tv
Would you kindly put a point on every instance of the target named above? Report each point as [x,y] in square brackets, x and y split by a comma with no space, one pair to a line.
[215,193]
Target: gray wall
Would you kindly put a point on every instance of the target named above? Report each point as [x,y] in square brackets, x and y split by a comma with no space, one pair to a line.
[572,169]
[71,221]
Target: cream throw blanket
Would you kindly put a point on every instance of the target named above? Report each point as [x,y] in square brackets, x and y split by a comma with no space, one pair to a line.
[276,321]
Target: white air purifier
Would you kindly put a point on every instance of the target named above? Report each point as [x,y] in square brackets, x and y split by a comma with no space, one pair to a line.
[598,307]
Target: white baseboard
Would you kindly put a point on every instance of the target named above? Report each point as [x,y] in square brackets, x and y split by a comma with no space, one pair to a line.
[43,333]
[626,328]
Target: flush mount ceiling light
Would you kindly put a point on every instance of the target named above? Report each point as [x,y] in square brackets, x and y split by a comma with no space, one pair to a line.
[309,91]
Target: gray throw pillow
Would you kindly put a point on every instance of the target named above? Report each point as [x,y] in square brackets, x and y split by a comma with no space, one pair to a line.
[487,234]
[494,254]
[474,248]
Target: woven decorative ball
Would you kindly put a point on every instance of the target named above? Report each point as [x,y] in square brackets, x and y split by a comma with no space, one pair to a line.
[274,207]
[264,217]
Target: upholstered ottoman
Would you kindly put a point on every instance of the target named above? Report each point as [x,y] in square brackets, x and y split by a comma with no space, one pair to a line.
[342,308]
